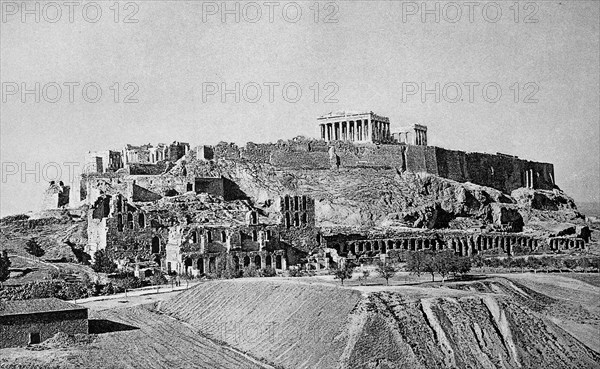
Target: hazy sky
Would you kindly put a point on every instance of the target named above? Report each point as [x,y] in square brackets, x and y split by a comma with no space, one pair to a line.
[178,51]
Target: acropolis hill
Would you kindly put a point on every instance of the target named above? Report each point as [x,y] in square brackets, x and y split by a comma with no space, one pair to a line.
[360,191]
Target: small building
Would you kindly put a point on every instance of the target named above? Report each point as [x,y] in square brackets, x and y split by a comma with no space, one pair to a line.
[56,196]
[412,135]
[25,322]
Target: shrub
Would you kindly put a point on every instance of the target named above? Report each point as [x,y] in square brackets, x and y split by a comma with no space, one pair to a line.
[250,271]
[268,272]
[33,248]
[4,266]
[102,263]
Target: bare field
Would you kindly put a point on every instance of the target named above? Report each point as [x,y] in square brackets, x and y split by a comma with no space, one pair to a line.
[311,323]
[509,321]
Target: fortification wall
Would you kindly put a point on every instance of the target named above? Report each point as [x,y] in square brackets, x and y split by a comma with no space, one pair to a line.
[503,172]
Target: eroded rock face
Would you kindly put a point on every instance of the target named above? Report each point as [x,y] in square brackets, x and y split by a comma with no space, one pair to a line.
[505,217]
[543,199]
[368,197]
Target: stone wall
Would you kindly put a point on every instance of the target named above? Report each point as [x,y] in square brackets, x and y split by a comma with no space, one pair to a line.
[15,329]
[502,172]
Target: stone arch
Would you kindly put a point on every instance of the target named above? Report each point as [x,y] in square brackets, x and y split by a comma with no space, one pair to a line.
[155,245]
[296,220]
[142,220]
[129,220]
[254,235]
[258,262]
[120,223]
[246,261]
[187,263]
[194,236]
[212,264]
[368,246]
[223,236]
[287,220]
[200,265]
[236,262]
[278,262]
[268,261]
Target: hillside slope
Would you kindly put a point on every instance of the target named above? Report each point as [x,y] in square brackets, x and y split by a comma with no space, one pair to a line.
[284,322]
[61,233]
[300,325]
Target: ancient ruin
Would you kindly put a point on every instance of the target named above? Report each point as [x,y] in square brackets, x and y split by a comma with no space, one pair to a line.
[274,205]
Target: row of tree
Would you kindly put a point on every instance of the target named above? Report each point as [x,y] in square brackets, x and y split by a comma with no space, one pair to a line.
[443,263]
[546,263]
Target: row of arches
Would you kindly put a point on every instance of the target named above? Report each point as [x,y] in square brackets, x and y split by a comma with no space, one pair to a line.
[295,219]
[295,203]
[462,245]
[208,264]
[223,235]
[563,243]
[153,246]
[130,221]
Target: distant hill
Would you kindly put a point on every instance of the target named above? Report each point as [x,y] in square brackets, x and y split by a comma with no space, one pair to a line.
[591,209]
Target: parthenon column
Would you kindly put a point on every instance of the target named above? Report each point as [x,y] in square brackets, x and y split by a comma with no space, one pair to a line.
[322,131]
[367,133]
[359,131]
[351,124]
[344,131]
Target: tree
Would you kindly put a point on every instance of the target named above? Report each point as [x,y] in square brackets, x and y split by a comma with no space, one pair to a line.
[343,273]
[102,263]
[365,275]
[445,262]
[461,265]
[415,263]
[430,264]
[4,266]
[33,248]
[386,271]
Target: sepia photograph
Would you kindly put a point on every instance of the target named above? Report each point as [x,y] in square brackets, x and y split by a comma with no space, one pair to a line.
[309,184]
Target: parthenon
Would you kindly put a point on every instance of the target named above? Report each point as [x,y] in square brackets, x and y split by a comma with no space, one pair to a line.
[355,127]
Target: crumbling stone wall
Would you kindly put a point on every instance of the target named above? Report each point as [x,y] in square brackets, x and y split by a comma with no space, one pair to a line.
[15,329]
[354,246]
[298,228]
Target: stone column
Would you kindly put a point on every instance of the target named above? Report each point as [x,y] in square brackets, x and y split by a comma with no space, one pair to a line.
[283,262]
[344,131]
[532,178]
[359,131]
[322,131]
[369,128]
[205,262]
[351,132]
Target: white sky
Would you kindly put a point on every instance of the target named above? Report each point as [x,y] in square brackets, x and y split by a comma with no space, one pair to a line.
[368,54]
